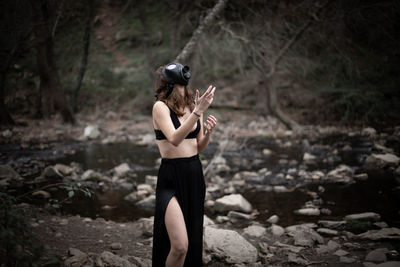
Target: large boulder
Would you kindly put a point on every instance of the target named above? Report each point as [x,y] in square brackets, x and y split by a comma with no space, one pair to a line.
[381,160]
[233,202]
[8,176]
[366,216]
[229,245]
[109,259]
[382,234]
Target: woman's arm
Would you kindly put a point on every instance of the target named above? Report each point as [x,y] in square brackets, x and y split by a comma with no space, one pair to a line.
[204,138]
[162,117]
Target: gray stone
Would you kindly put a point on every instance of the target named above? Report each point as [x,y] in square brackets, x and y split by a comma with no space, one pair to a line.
[78,258]
[366,216]
[361,176]
[41,193]
[254,231]
[122,169]
[277,230]
[64,169]
[147,203]
[326,231]
[308,211]
[304,236]
[295,249]
[332,224]
[229,245]
[234,202]
[146,225]
[377,255]
[116,246]
[108,259]
[382,160]
[385,233]
[91,132]
[341,174]
[151,180]
[340,253]
[207,221]
[345,259]
[274,219]
[236,216]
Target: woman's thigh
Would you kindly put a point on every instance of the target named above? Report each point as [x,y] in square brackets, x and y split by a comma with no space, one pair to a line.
[175,224]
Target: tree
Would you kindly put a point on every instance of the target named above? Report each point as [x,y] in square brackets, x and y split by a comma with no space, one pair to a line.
[206,22]
[51,96]
[85,54]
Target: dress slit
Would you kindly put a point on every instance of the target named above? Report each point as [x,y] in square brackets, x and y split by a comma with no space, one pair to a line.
[182,178]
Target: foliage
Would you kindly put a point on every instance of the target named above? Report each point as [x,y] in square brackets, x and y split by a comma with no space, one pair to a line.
[18,245]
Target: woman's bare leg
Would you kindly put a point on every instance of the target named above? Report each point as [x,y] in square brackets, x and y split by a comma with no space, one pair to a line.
[176,228]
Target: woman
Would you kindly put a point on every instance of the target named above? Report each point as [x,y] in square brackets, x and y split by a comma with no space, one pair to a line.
[180,191]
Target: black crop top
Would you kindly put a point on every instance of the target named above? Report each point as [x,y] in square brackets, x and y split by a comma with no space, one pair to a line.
[160,135]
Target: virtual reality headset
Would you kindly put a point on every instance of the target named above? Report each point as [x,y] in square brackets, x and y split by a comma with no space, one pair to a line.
[176,73]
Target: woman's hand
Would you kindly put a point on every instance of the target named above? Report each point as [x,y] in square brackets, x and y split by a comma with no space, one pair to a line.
[210,124]
[203,102]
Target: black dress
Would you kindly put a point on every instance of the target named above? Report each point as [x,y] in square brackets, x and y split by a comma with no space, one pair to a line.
[182,178]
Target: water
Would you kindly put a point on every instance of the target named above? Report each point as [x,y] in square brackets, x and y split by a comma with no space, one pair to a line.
[376,194]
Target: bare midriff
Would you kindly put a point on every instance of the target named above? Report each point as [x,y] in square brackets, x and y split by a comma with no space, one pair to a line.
[187,148]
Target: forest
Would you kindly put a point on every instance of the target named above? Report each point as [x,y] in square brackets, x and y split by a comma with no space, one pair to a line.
[303,167]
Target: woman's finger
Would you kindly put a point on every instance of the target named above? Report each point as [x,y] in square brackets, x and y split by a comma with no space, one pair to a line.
[197,96]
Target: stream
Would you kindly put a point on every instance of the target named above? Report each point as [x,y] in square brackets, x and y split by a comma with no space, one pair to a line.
[375,194]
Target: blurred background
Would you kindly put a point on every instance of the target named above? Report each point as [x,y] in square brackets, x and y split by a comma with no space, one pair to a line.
[322,62]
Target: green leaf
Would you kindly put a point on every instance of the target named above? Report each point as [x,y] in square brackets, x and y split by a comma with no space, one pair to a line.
[71,193]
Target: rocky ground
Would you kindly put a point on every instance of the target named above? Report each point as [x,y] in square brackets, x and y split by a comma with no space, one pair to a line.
[86,242]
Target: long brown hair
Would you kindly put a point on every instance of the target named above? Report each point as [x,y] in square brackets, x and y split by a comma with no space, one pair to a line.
[175,101]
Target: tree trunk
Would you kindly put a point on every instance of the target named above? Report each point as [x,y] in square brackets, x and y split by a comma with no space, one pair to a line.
[5,117]
[85,55]
[211,16]
[146,36]
[51,96]
[273,104]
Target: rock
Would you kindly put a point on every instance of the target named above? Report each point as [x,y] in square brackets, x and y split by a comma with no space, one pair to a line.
[222,219]
[92,175]
[340,253]
[207,221]
[273,219]
[254,231]
[147,203]
[332,224]
[63,221]
[267,152]
[6,133]
[304,235]
[64,169]
[366,216]
[381,224]
[122,169]
[385,264]
[341,174]
[41,193]
[369,132]
[147,139]
[326,231]
[382,160]
[277,230]
[8,175]
[385,233]
[91,132]
[294,258]
[295,249]
[78,258]
[309,157]
[229,245]
[108,259]
[280,189]
[116,246]
[236,216]
[377,255]
[361,176]
[344,259]
[234,202]
[308,211]
[151,180]
[328,248]
[146,225]
[145,187]
[51,172]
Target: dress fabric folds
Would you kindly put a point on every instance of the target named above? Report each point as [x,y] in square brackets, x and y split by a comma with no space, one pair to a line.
[182,178]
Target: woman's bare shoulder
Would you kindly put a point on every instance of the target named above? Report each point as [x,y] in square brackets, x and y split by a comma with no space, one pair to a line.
[160,106]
